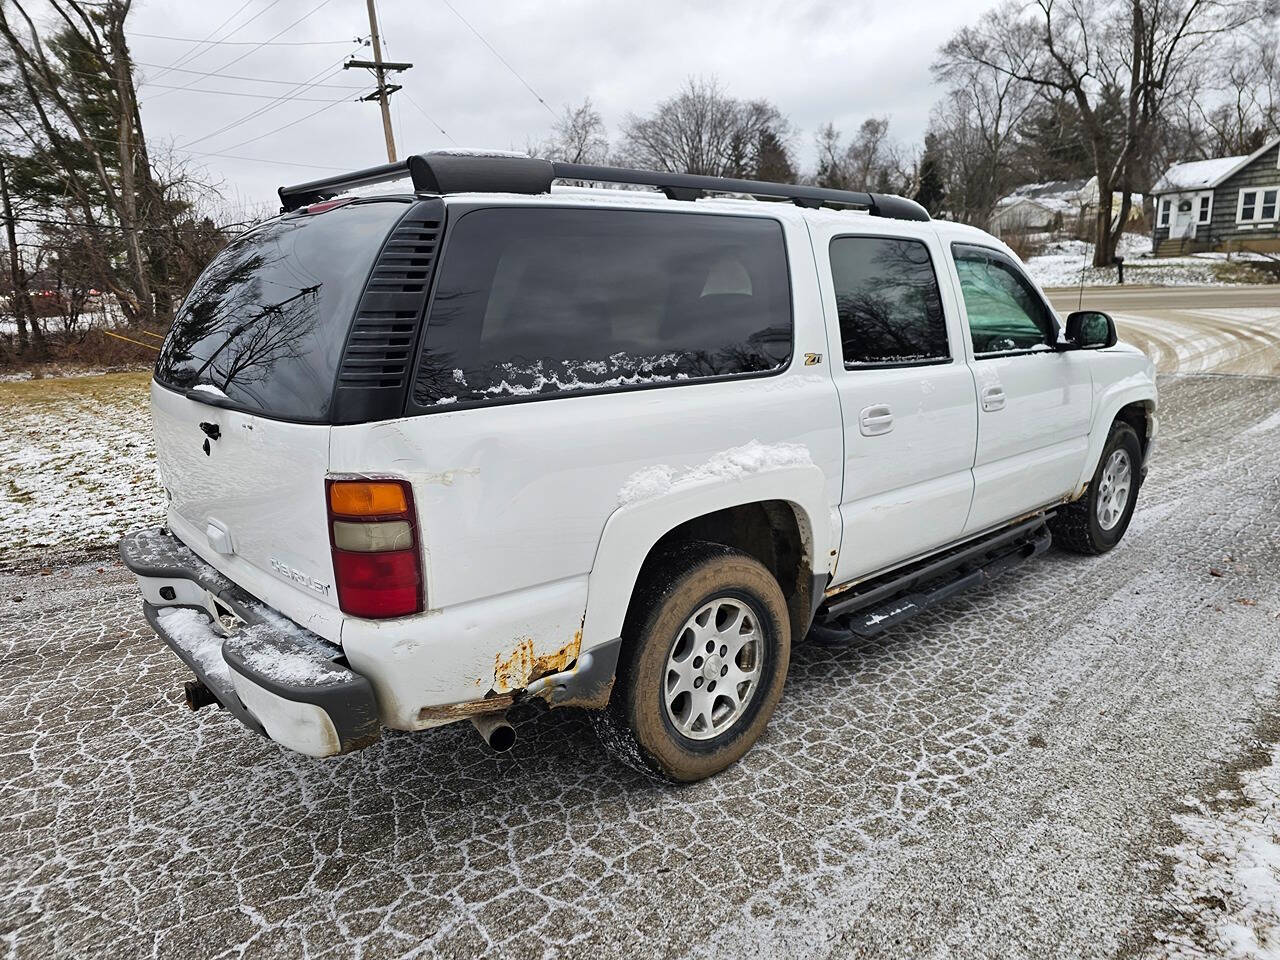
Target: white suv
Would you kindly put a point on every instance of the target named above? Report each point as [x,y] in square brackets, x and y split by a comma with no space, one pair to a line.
[430,454]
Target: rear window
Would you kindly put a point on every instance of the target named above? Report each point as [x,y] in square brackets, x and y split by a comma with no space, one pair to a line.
[533,302]
[266,323]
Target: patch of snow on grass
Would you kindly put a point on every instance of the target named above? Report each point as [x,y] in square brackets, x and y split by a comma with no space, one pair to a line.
[1226,873]
[732,464]
[77,466]
[1061,262]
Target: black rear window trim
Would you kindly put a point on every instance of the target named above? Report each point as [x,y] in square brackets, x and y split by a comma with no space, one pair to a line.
[226,403]
[892,364]
[413,409]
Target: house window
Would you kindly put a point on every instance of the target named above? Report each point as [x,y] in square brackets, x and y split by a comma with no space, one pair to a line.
[1164,212]
[1259,205]
[1204,208]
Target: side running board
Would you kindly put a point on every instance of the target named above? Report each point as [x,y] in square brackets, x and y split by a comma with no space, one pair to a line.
[877,605]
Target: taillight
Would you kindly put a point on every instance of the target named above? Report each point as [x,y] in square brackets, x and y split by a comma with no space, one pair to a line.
[374,537]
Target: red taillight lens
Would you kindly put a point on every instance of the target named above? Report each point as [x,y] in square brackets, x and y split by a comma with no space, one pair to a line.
[377,585]
[373,533]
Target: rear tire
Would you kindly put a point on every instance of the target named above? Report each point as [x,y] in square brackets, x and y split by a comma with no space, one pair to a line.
[1097,521]
[705,651]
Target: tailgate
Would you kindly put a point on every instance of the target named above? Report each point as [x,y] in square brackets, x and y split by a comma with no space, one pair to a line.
[247,494]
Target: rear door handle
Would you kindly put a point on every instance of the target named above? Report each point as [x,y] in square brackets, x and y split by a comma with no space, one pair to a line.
[875,420]
[992,398]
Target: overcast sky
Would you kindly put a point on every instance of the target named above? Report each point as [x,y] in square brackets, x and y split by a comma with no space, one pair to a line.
[842,61]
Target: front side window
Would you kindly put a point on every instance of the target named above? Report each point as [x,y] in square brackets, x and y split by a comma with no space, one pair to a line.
[540,302]
[888,302]
[1005,312]
[1164,212]
[1204,209]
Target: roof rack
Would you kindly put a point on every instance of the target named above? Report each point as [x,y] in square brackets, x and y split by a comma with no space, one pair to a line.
[445,172]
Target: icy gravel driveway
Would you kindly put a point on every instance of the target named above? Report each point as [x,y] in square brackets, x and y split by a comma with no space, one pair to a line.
[994,779]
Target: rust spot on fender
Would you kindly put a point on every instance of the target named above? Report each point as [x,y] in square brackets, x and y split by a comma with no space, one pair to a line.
[522,666]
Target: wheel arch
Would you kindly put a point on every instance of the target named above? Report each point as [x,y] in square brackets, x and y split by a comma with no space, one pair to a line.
[778,517]
[1134,405]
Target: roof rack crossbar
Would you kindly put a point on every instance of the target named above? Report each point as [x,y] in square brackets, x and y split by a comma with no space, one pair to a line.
[680,186]
[445,172]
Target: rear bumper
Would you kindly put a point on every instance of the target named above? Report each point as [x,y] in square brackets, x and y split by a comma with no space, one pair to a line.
[275,677]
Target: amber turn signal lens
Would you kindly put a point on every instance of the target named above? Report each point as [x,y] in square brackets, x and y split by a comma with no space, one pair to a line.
[358,498]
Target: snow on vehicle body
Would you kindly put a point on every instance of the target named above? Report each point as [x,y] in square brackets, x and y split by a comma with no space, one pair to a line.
[472,445]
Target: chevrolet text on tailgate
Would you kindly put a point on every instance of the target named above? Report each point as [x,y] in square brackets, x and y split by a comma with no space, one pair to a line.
[429,454]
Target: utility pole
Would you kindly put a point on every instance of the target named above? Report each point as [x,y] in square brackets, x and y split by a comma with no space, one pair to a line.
[380,69]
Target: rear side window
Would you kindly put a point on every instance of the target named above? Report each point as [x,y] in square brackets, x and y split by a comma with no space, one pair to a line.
[266,322]
[1005,312]
[888,302]
[535,302]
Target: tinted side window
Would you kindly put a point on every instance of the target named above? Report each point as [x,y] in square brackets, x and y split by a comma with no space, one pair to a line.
[888,301]
[267,321]
[1005,312]
[547,301]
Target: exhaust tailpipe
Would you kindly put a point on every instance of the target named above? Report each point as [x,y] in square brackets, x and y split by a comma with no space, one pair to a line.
[495,731]
[197,695]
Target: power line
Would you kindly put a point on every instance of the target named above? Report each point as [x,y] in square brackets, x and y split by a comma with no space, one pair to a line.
[197,51]
[233,76]
[500,57]
[247,43]
[288,125]
[428,116]
[252,49]
[257,96]
[322,74]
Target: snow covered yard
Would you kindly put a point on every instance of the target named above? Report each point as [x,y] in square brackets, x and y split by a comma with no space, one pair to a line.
[1225,895]
[1061,261]
[77,467]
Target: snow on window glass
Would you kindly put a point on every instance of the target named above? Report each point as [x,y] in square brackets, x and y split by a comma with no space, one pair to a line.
[535,301]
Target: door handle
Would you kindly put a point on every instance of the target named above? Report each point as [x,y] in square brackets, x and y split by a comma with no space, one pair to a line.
[875,420]
[993,398]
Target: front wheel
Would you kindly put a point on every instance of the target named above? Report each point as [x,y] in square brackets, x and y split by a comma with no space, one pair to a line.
[1096,522]
[705,652]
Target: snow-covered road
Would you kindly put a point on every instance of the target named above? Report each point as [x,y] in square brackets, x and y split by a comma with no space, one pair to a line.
[1192,329]
[996,778]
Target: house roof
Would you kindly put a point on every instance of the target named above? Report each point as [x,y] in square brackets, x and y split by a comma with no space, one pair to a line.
[1205,174]
[1051,188]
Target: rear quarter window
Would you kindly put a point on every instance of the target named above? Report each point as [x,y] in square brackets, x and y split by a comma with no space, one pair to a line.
[266,323]
[536,302]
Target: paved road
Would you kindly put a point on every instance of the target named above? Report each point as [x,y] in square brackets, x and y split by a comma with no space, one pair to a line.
[1192,329]
[992,779]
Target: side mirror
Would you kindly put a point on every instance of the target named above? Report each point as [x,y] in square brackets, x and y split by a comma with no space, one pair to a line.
[1090,330]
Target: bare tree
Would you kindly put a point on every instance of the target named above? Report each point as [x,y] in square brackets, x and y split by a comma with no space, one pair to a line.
[703,130]
[107,179]
[975,127]
[578,136]
[1146,49]
[871,160]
